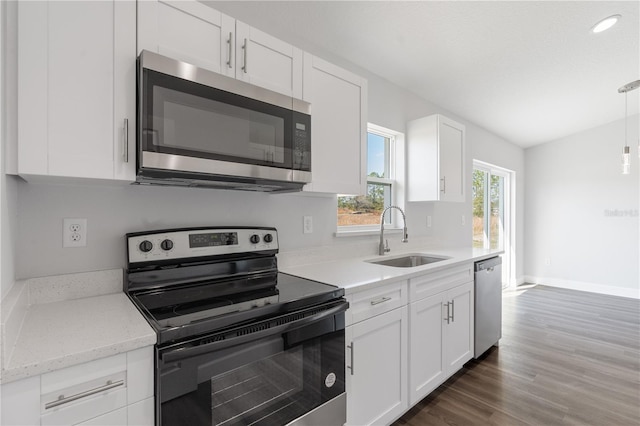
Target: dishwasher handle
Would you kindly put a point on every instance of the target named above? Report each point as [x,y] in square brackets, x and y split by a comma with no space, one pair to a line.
[488,264]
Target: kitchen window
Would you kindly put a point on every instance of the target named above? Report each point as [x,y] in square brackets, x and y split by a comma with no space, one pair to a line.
[385,155]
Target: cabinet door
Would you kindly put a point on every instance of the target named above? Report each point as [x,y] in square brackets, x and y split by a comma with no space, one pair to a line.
[268,62]
[67,87]
[435,159]
[451,144]
[20,402]
[116,417]
[377,368]
[459,331]
[427,367]
[338,127]
[188,31]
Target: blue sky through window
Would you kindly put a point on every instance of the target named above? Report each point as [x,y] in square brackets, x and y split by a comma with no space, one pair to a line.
[375,154]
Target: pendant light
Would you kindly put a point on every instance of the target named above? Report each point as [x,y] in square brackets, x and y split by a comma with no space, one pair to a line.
[626,156]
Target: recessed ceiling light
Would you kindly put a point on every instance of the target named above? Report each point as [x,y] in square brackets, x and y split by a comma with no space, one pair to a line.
[605,24]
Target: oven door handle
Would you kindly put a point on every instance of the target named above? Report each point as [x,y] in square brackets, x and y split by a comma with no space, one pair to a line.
[182,353]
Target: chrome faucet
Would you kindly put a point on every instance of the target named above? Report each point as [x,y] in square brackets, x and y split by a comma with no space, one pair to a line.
[383,247]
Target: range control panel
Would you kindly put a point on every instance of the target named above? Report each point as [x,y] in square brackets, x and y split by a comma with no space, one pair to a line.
[189,243]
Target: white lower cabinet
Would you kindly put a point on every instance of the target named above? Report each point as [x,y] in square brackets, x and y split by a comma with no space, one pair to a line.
[441,338]
[116,390]
[377,368]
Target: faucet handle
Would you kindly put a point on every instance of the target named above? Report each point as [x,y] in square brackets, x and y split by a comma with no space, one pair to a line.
[386,246]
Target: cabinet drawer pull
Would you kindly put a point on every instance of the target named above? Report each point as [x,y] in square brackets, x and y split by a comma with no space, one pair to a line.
[444,185]
[350,367]
[66,399]
[379,301]
[244,64]
[230,43]
[125,151]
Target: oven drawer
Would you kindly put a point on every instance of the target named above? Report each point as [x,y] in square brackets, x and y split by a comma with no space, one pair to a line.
[376,301]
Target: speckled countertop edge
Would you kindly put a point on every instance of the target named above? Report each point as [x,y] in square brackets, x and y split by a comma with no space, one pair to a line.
[88,317]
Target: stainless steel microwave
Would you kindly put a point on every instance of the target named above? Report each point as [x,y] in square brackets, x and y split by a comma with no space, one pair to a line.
[200,128]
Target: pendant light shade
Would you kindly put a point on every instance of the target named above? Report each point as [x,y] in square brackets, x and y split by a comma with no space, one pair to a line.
[626,156]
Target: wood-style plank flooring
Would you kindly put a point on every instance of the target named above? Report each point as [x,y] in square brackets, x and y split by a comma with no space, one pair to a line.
[566,358]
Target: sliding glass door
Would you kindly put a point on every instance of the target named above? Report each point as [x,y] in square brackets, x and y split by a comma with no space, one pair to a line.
[491,210]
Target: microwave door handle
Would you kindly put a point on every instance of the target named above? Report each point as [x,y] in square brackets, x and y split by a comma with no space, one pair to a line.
[182,353]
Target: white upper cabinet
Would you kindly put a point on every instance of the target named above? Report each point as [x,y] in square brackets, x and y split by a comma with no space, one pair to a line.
[338,127]
[192,32]
[436,157]
[76,89]
[187,31]
[267,62]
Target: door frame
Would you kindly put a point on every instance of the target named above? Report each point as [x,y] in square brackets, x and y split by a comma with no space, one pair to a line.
[509,238]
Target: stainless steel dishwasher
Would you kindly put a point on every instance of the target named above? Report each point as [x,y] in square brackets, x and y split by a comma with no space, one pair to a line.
[488,306]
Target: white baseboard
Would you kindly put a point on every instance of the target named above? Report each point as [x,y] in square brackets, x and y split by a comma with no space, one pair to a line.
[633,293]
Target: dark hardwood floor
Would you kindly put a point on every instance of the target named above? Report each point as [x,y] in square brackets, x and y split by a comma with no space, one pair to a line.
[566,358]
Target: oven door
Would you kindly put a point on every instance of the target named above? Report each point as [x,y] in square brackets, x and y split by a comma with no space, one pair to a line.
[279,371]
[195,121]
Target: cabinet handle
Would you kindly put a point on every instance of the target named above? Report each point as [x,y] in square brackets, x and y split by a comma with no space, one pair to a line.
[350,367]
[125,152]
[64,400]
[244,49]
[448,317]
[230,43]
[453,311]
[379,301]
[444,184]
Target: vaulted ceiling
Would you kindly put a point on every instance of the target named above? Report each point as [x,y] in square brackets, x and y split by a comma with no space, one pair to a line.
[528,71]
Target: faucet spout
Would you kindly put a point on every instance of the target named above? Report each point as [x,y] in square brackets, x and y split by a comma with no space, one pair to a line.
[382,247]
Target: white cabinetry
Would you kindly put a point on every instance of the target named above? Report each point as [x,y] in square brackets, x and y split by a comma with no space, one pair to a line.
[76,89]
[113,390]
[436,159]
[192,32]
[338,127]
[376,355]
[440,328]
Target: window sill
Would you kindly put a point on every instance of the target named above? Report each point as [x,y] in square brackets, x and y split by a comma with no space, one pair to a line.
[365,232]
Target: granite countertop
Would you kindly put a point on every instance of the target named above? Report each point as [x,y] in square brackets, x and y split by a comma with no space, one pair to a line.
[354,274]
[62,333]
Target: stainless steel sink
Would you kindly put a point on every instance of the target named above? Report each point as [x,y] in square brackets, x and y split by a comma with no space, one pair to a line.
[408,261]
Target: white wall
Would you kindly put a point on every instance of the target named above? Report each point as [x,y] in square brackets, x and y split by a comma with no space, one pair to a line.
[114,211]
[571,184]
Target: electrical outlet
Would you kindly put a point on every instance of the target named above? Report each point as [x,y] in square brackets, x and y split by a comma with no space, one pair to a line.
[74,232]
[462,221]
[428,221]
[307,227]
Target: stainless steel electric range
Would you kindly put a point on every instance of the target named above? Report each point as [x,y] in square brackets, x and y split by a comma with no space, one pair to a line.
[239,343]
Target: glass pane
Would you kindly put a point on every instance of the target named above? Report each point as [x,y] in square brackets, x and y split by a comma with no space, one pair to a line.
[365,210]
[205,125]
[496,230]
[377,156]
[478,190]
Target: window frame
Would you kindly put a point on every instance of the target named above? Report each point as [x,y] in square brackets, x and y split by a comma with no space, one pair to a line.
[393,169]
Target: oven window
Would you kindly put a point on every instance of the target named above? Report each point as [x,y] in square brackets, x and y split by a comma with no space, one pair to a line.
[275,386]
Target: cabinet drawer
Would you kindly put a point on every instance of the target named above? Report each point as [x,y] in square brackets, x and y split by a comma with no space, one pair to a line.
[84,391]
[438,281]
[375,301]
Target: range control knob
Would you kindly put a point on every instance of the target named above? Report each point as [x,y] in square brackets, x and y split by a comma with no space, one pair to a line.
[255,239]
[166,245]
[268,238]
[146,246]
